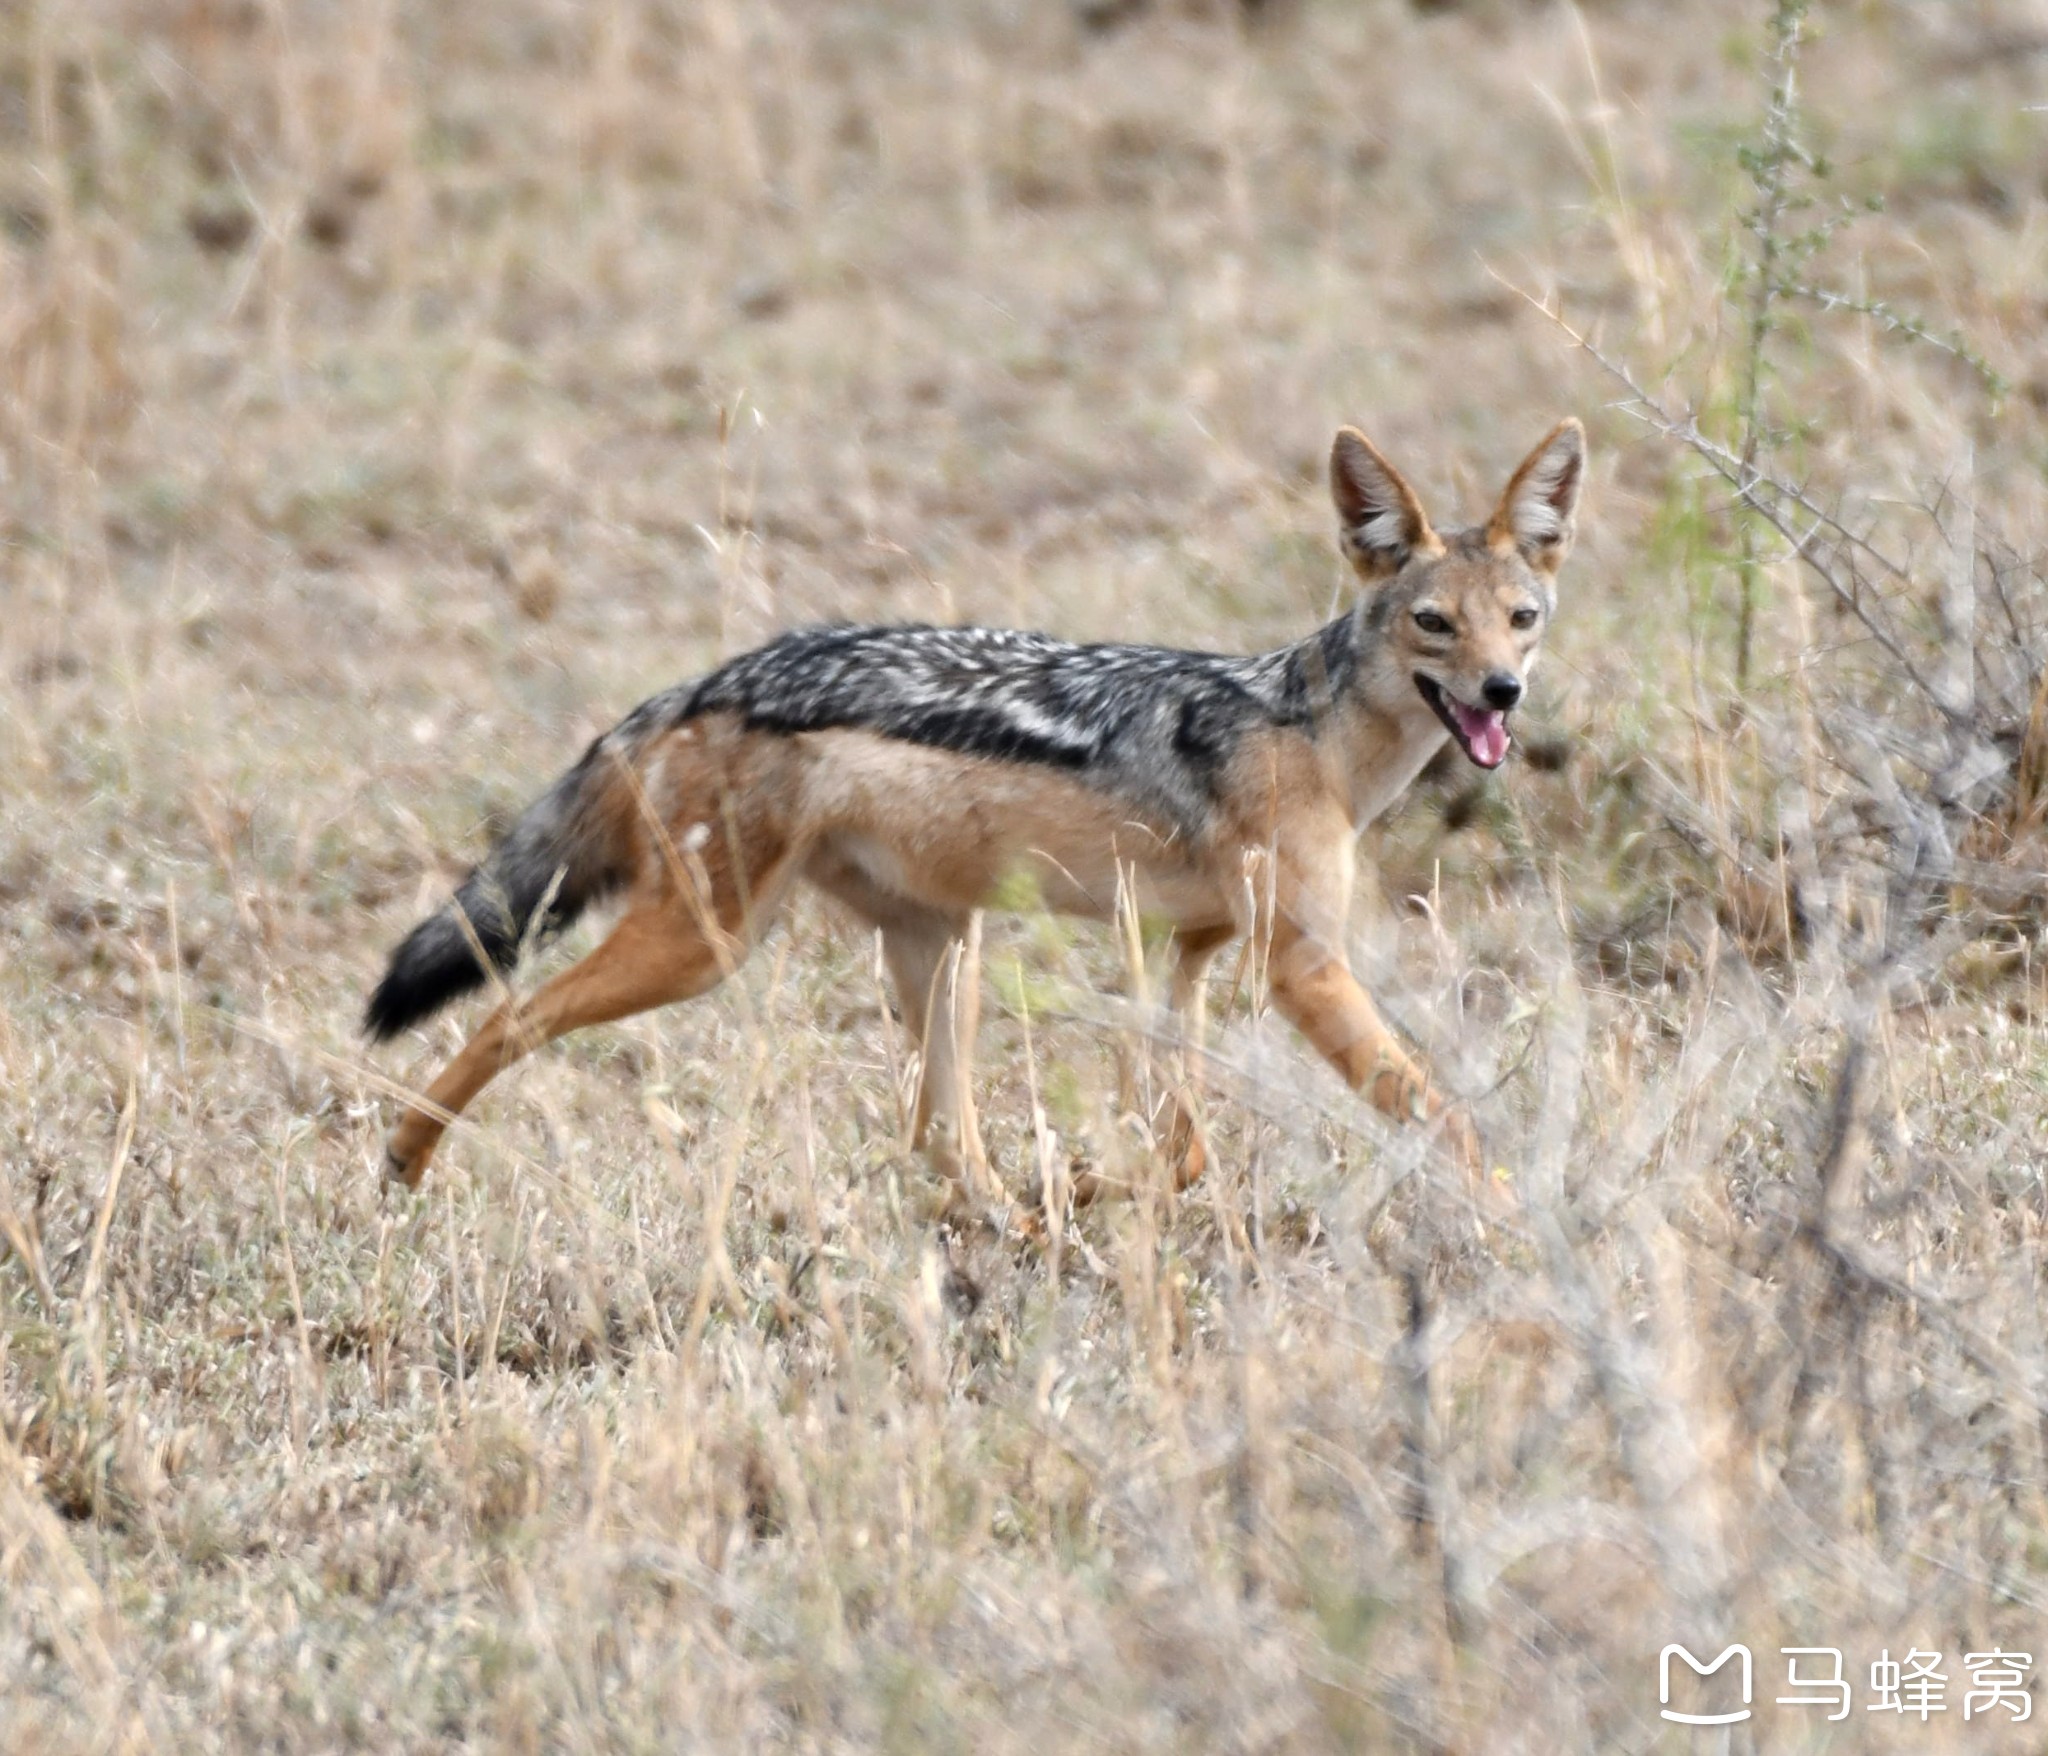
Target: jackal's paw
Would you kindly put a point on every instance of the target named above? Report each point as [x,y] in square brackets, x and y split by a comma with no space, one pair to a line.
[403,1167]
[959,1205]
[1038,1210]
[1453,1125]
[1024,1224]
[1081,1185]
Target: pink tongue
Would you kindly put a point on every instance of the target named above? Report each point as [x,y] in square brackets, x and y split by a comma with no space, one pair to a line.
[1486,734]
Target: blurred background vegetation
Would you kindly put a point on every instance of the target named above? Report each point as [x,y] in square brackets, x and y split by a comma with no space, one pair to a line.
[392,394]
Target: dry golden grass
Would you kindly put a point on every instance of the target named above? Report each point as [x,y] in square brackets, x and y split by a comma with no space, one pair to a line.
[390,396]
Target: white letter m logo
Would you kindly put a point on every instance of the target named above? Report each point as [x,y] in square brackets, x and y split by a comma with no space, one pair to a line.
[1700,1670]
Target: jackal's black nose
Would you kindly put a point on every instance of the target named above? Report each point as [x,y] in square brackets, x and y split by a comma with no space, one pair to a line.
[1501,690]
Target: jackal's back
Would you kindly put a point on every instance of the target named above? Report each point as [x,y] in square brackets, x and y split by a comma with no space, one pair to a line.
[1152,721]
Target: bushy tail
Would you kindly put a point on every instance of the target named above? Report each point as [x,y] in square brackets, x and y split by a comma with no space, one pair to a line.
[562,855]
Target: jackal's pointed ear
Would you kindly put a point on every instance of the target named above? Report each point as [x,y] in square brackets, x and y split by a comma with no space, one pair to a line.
[1379,521]
[1537,510]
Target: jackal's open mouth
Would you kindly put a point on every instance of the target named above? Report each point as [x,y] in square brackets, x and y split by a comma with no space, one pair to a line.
[1482,732]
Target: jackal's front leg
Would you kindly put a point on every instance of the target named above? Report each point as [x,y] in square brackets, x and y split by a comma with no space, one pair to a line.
[1317,992]
[935,961]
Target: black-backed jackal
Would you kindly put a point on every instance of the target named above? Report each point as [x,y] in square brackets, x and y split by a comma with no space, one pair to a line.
[913,772]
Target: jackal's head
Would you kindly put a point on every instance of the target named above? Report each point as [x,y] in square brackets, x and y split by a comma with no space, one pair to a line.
[1451,622]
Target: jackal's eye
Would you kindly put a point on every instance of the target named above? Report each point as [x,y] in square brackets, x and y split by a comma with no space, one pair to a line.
[1431,623]
[1523,618]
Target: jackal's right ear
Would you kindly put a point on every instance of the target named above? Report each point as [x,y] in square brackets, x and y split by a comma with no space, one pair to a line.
[1380,523]
[1538,509]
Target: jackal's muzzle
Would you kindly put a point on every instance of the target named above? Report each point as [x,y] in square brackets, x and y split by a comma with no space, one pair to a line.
[1481,732]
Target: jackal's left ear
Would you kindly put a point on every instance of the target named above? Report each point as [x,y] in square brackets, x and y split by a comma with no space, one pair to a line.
[1537,511]
[1380,522]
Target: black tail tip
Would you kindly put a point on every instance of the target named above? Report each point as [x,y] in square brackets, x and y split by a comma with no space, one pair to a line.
[434,965]
[390,1010]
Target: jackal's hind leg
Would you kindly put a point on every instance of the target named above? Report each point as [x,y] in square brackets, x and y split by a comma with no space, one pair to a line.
[1187,1149]
[935,962]
[1194,950]
[656,954]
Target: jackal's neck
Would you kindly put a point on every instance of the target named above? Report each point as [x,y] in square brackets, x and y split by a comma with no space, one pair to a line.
[1375,730]
[1310,679]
